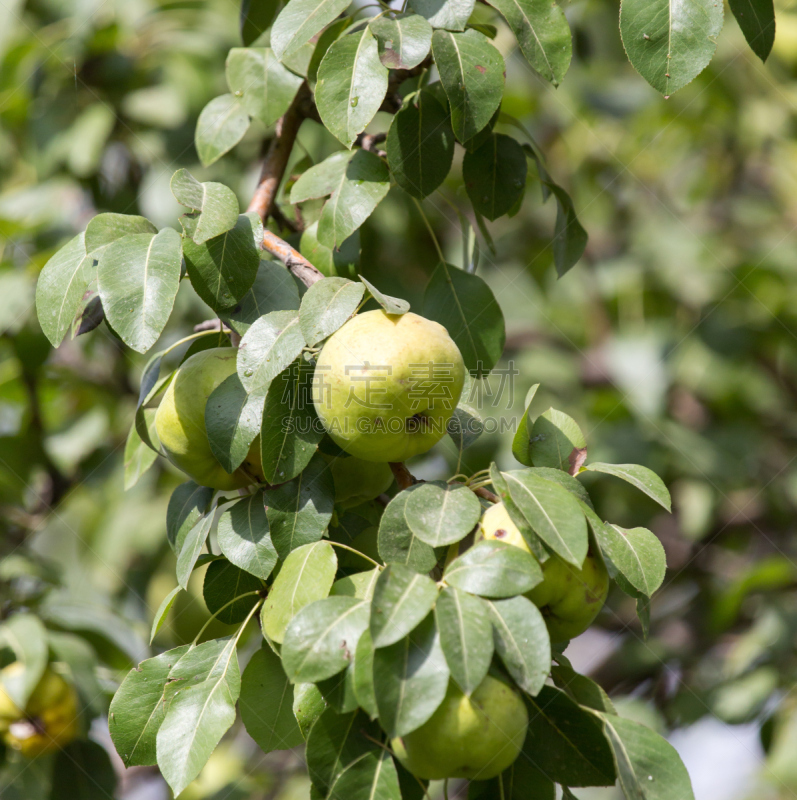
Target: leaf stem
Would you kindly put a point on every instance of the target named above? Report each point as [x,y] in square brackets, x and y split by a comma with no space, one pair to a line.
[445,790]
[501,788]
[357,552]
[248,617]
[429,228]
[215,614]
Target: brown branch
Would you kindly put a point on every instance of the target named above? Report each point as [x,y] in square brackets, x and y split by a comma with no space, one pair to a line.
[487,494]
[292,259]
[404,478]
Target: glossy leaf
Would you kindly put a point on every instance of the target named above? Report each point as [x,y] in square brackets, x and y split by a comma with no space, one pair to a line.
[543,34]
[392,305]
[402,600]
[465,635]
[670,44]
[186,505]
[361,188]
[495,175]
[441,514]
[137,708]
[320,641]
[221,125]
[138,277]
[582,689]
[223,269]
[262,85]
[570,238]
[306,576]
[299,511]
[397,542]
[556,441]
[244,537]
[472,73]
[256,18]
[552,512]
[372,776]
[465,305]
[404,41]
[756,18]
[216,203]
[224,582]
[267,703]
[267,348]
[321,179]
[364,675]
[410,680]
[644,479]
[521,781]
[327,305]
[105,229]
[450,14]
[327,38]
[163,612]
[60,289]
[299,21]
[192,546]
[308,705]
[494,569]
[521,442]
[351,86]
[522,641]
[420,146]
[465,426]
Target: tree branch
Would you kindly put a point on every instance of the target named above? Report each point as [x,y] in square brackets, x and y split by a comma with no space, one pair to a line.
[404,478]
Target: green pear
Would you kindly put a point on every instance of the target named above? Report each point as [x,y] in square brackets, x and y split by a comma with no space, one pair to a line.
[49,720]
[569,598]
[358,481]
[180,422]
[475,737]
[387,384]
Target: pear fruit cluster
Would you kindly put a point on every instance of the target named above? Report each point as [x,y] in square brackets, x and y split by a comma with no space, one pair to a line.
[49,720]
[569,598]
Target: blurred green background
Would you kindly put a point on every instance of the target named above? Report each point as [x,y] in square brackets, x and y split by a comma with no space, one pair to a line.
[673,343]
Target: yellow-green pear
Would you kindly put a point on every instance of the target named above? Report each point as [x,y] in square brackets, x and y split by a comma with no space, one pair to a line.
[180,422]
[475,737]
[569,598]
[49,720]
[358,481]
[387,384]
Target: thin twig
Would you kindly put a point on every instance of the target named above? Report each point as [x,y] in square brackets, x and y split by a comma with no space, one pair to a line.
[404,478]
[486,494]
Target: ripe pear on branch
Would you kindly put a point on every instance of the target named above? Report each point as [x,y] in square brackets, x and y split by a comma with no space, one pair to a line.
[569,598]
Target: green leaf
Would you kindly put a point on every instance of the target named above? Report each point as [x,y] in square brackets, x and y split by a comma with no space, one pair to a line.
[223,583]
[392,305]
[521,781]
[105,229]
[552,512]
[82,771]
[670,44]
[495,175]
[200,712]
[335,742]
[306,576]
[465,635]
[299,511]
[364,675]
[244,537]
[137,709]
[465,305]
[223,269]
[186,505]
[338,691]
[26,636]
[332,33]
[321,179]
[232,421]
[221,125]
[420,146]
[327,305]
[342,262]
[262,85]
[522,641]
[192,546]
[404,41]
[648,765]
[472,73]
[581,688]
[397,543]
[321,639]
[441,514]
[361,188]
[290,432]
[644,479]
[352,83]
[372,776]
[162,613]
[216,203]
[139,456]
[299,21]
[308,705]
[138,277]
[556,441]
[542,33]
[538,549]
[521,442]
[756,18]
[267,348]
[494,569]
[410,680]
[359,584]
[274,289]
[402,600]
[570,238]
[464,427]
[450,14]
[267,703]
[566,482]
[60,289]
[567,741]
[256,18]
